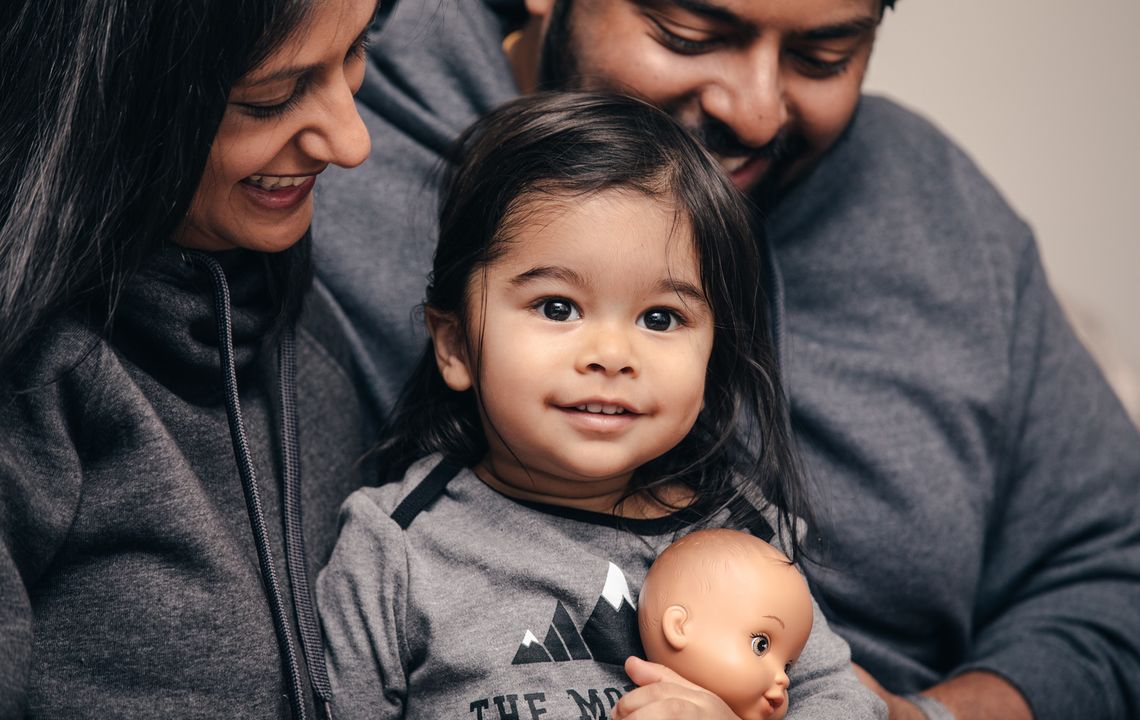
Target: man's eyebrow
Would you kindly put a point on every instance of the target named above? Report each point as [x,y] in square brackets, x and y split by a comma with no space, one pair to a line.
[720,14]
[548,272]
[777,620]
[296,71]
[838,31]
[708,10]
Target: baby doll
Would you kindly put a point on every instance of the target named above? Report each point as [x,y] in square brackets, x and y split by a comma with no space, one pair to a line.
[729,612]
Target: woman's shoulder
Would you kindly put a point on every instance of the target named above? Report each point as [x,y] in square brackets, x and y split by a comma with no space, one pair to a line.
[66,348]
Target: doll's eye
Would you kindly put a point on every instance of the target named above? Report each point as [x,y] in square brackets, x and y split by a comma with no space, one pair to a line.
[559,309]
[760,644]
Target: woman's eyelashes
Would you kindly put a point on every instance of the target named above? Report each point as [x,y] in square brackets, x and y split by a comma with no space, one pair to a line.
[264,111]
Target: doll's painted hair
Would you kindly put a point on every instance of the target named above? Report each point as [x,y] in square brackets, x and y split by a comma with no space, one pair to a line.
[555,147]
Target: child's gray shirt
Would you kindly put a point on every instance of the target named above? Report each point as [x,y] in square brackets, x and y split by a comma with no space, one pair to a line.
[490,608]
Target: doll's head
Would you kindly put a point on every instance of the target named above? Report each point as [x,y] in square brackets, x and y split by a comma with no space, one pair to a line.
[730,613]
[538,161]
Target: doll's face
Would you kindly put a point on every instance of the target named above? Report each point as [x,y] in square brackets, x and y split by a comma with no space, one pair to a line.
[736,628]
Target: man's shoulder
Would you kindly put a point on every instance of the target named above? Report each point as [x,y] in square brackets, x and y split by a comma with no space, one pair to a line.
[895,152]
[895,175]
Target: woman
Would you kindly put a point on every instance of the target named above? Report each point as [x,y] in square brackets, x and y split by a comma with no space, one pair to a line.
[166,378]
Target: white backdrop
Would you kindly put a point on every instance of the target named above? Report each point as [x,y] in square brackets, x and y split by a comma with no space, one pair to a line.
[1045,96]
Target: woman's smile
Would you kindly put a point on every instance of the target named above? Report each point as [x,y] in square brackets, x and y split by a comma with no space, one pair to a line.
[278,192]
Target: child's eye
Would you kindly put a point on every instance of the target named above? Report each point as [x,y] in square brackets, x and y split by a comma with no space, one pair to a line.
[760,643]
[659,320]
[559,309]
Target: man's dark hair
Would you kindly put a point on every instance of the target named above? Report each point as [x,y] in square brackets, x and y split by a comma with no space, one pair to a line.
[562,147]
[108,109]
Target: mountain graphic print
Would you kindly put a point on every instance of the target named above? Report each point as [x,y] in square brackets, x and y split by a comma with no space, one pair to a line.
[609,635]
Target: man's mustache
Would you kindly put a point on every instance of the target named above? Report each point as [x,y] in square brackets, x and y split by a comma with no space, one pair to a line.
[719,139]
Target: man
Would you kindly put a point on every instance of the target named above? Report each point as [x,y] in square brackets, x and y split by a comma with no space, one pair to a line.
[978,529]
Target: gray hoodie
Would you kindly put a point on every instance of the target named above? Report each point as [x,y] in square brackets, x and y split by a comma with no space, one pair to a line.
[976,481]
[130,579]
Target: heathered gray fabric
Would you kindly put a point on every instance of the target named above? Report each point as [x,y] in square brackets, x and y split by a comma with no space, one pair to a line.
[129,581]
[979,484]
[426,623]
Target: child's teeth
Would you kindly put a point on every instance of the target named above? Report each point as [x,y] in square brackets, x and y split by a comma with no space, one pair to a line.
[603,409]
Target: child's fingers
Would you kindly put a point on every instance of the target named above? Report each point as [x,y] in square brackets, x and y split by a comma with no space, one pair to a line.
[664,700]
[644,672]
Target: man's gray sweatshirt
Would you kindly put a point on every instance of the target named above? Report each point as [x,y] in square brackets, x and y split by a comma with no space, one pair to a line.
[978,484]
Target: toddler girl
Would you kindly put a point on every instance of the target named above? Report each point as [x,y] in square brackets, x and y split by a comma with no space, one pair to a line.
[599,382]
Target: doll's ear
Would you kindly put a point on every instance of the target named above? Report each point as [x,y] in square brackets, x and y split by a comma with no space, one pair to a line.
[673,625]
[447,340]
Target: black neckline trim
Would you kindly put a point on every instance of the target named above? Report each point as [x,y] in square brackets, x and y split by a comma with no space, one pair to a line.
[639,526]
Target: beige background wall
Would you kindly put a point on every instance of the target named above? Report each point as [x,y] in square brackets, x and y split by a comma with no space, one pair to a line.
[1045,96]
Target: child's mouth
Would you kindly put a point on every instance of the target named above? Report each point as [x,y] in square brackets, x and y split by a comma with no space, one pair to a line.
[601,408]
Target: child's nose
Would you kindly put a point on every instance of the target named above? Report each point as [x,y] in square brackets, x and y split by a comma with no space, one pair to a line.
[608,350]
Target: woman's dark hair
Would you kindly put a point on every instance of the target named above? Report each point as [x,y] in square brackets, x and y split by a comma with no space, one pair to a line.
[108,109]
[564,145]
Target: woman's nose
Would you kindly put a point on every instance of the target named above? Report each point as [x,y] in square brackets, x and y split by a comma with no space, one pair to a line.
[339,136]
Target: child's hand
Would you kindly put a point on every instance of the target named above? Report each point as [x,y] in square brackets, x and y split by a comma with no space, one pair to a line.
[665,695]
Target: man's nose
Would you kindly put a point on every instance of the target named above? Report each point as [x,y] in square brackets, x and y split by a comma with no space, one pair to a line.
[748,96]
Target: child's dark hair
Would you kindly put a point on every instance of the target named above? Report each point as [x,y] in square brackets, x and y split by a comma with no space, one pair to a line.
[561,145]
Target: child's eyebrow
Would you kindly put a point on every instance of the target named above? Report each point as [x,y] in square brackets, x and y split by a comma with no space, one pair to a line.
[683,288]
[548,272]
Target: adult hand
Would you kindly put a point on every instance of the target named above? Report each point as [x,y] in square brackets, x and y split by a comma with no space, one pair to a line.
[898,707]
[664,695]
[975,695]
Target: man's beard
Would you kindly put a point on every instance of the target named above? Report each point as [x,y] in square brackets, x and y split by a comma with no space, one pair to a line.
[558,70]
[781,152]
[557,66]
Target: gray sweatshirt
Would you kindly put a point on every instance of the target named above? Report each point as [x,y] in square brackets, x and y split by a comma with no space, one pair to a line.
[977,483]
[485,607]
[130,584]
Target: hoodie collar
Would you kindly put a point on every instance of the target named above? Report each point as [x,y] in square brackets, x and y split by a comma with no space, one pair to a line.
[165,322]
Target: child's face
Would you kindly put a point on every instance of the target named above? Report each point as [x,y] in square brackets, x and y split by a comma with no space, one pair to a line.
[595,341]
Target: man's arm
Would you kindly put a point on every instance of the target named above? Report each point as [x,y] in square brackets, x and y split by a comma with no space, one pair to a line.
[969,696]
[1056,633]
